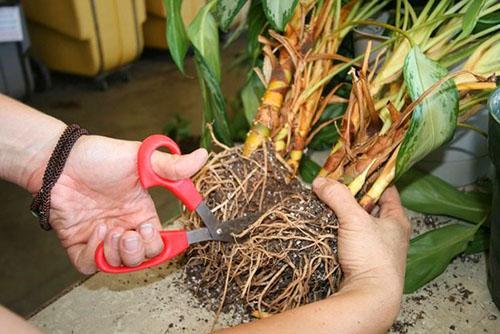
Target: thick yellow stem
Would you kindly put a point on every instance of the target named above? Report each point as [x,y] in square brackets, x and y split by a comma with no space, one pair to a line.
[356,185]
[255,137]
[385,178]
[476,86]
[279,141]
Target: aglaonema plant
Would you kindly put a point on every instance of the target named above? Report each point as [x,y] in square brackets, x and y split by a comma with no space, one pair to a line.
[380,123]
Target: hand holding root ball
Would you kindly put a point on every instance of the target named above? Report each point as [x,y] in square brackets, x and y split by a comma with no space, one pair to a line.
[372,252]
[369,247]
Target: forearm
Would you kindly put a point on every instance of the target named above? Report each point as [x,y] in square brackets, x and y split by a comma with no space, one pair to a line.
[353,310]
[12,323]
[27,137]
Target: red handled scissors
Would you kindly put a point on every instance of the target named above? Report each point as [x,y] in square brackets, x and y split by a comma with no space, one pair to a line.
[175,241]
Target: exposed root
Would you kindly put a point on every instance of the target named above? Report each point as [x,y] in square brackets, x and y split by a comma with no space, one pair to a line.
[286,258]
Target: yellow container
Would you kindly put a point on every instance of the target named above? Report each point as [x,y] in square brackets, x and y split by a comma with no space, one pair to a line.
[86,37]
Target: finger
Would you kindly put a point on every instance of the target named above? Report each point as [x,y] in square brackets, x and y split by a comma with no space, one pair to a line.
[338,197]
[153,244]
[112,246]
[176,167]
[82,255]
[132,251]
[390,204]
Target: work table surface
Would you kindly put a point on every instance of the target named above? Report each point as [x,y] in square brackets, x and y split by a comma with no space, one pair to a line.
[157,301]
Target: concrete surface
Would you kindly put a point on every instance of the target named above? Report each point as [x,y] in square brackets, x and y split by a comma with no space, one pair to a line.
[156,301]
[34,266]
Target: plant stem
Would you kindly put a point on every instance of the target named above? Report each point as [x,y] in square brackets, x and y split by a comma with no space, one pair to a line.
[473,128]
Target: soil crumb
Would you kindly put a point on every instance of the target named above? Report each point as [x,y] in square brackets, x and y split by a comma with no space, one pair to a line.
[287,257]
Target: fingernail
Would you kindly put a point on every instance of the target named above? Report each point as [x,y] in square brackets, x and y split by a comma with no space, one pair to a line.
[131,244]
[101,231]
[318,181]
[115,239]
[147,231]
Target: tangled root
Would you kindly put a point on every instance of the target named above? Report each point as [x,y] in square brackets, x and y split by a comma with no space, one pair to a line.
[286,258]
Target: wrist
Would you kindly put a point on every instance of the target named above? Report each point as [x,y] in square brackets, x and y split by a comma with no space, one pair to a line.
[26,142]
[385,291]
[36,159]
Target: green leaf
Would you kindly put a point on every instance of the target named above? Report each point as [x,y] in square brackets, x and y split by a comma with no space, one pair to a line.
[204,35]
[177,40]
[278,13]
[471,17]
[178,128]
[423,192]
[308,169]
[251,95]
[459,55]
[327,136]
[256,25]
[431,252]
[226,10]
[487,21]
[239,126]
[433,120]
[214,105]
[480,243]
[324,139]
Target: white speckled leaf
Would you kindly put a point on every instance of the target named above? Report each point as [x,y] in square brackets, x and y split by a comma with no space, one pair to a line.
[279,12]
[433,121]
[226,10]
[204,34]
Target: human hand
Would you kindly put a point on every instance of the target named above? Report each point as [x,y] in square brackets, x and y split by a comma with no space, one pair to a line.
[99,197]
[372,250]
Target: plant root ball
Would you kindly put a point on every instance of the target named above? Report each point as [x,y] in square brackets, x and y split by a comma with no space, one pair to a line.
[285,258]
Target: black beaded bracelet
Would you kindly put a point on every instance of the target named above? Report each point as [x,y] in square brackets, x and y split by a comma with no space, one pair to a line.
[40,207]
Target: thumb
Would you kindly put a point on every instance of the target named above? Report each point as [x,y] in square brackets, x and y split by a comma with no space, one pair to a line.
[339,198]
[390,204]
[176,167]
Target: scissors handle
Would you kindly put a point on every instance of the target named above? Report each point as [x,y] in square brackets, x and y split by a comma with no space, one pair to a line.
[174,243]
[184,189]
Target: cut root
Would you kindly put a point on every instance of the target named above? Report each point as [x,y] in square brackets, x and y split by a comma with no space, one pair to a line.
[286,258]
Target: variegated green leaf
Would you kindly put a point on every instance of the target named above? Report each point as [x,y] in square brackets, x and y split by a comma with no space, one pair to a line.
[177,40]
[279,12]
[433,121]
[251,95]
[204,35]
[226,10]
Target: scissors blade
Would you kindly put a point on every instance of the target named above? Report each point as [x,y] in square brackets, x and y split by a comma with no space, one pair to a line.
[223,231]
[198,235]
[236,226]
[209,219]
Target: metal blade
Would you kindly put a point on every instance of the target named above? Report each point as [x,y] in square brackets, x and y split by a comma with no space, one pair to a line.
[237,225]
[209,219]
[199,235]
[223,231]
